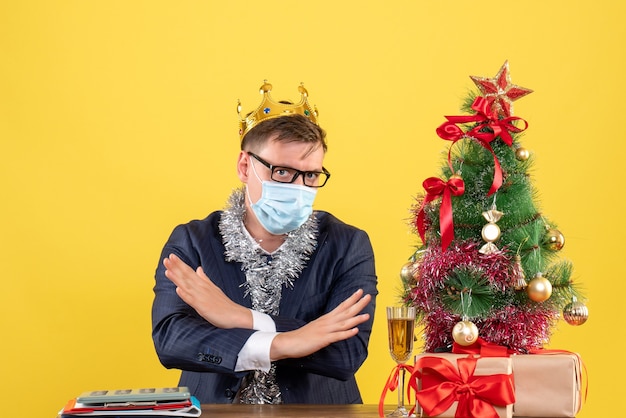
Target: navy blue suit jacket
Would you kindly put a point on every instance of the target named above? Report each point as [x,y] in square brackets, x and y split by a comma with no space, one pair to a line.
[342,263]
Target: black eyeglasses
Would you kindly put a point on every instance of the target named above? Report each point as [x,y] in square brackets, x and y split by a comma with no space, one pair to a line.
[289,175]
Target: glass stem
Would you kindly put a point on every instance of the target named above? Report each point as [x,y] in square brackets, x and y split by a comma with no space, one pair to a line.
[401,389]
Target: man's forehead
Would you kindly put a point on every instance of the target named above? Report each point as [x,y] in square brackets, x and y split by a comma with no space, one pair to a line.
[304,150]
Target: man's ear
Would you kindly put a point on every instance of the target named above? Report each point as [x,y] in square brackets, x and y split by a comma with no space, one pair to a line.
[243,166]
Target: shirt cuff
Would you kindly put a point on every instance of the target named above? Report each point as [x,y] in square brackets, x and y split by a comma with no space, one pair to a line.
[255,353]
[262,322]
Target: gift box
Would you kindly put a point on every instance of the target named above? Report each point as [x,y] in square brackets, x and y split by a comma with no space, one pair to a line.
[461,385]
[547,385]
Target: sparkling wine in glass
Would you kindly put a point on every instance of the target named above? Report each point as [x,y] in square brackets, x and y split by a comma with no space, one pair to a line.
[400,326]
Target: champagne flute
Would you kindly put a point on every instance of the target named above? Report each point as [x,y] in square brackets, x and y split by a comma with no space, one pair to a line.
[400,325]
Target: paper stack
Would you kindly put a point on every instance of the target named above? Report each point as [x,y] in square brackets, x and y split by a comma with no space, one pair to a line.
[140,403]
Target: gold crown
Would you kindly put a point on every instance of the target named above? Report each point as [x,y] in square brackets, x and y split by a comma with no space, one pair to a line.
[269,109]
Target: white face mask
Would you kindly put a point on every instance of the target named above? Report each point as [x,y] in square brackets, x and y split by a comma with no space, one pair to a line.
[282,207]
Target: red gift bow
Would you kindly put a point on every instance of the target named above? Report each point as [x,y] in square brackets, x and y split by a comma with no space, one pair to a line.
[436,187]
[484,117]
[392,384]
[476,395]
[487,349]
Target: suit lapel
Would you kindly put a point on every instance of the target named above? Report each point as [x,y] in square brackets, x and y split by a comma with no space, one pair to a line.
[293,299]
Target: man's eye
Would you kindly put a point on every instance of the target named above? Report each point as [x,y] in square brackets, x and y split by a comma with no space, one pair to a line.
[283,173]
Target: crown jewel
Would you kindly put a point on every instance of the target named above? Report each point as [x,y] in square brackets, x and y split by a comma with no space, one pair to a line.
[269,109]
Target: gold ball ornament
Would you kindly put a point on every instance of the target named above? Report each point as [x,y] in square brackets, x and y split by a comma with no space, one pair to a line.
[522,154]
[539,289]
[406,273]
[554,240]
[575,313]
[465,333]
[410,272]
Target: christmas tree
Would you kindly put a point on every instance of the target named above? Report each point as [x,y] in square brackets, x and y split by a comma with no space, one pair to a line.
[488,265]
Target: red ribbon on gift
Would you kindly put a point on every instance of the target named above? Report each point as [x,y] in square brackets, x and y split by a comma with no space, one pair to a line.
[483,348]
[392,384]
[485,117]
[475,395]
[436,187]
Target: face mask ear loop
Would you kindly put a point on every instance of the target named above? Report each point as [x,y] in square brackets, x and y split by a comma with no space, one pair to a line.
[248,193]
[256,175]
[254,169]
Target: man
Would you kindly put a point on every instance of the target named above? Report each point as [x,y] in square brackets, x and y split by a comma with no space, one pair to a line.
[268,301]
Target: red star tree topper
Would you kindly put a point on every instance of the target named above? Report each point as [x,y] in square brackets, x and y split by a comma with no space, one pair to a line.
[500,90]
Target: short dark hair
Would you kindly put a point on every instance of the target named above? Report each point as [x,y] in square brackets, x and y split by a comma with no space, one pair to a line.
[289,128]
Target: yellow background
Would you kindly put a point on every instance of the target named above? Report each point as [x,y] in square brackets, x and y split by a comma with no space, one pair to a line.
[117,122]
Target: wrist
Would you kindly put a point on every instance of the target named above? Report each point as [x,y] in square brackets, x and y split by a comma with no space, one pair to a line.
[245,319]
[277,347]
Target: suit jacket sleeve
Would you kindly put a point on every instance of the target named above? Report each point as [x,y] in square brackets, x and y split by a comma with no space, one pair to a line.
[182,338]
[342,264]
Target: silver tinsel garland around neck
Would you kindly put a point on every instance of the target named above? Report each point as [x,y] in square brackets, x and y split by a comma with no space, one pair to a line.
[265,277]
[265,274]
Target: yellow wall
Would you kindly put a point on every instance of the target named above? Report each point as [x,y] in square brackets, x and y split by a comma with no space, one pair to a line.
[117,122]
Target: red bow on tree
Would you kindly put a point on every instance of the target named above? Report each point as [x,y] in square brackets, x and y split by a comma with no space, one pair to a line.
[485,117]
[436,187]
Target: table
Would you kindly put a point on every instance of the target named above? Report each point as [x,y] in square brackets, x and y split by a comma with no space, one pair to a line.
[291,411]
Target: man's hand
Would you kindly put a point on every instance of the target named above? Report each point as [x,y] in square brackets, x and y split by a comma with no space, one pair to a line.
[199,292]
[337,325]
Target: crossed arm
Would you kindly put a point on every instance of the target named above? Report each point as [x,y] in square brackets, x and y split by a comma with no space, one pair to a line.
[198,291]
